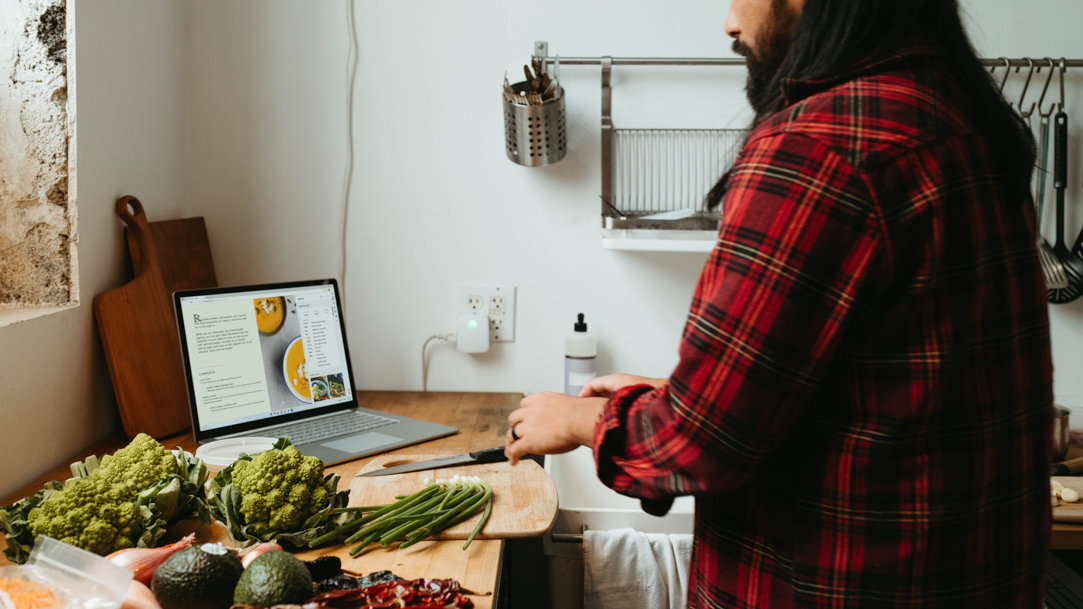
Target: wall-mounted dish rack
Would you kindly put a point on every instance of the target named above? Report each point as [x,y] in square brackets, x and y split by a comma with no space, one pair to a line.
[654,181]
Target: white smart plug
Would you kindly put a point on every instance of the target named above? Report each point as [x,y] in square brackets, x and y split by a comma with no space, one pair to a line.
[472,333]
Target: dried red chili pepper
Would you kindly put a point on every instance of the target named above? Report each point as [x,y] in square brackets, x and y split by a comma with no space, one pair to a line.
[424,593]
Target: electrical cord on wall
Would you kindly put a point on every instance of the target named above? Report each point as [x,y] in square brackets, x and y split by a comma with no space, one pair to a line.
[351,79]
[425,361]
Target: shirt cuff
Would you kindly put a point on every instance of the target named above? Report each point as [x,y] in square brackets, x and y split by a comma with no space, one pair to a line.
[609,441]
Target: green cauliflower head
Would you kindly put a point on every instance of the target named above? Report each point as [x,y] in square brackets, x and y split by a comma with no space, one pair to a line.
[90,514]
[280,489]
[143,462]
[100,512]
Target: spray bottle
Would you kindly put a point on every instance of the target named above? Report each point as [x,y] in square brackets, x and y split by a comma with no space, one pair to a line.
[580,350]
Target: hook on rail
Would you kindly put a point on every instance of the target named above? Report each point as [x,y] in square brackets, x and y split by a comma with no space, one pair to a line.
[1025,113]
[1007,72]
[1045,88]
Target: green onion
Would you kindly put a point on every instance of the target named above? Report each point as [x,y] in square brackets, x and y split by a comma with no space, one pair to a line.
[413,518]
[481,522]
[359,548]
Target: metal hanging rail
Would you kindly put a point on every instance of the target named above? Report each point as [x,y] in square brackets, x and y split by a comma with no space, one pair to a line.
[1027,62]
[735,61]
[647,61]
[616,143]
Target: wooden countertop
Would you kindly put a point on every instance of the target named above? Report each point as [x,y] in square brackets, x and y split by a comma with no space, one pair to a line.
[1068,535]
[481,419]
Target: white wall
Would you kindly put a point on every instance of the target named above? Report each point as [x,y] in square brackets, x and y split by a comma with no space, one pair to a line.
[131,139]
[435,202]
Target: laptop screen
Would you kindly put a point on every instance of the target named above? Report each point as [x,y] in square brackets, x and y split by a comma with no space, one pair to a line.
[257,355]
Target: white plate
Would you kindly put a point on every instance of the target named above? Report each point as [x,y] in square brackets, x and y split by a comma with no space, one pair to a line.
[220,454]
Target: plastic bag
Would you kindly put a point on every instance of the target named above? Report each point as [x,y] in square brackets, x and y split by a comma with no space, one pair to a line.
[59,575]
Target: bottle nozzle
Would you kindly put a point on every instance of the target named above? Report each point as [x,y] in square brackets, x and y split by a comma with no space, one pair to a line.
[580,326]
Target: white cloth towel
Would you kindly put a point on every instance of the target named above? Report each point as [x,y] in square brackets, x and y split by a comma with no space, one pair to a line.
[627,569]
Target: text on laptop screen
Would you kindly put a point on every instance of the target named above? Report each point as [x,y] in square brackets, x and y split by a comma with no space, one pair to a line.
[254,355]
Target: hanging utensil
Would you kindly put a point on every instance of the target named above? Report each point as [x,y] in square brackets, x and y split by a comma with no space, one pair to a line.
[539,71]
[1055,277]
[1073,262]
[1052,268]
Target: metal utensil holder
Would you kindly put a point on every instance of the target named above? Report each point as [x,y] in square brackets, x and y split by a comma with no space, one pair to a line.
[535,135]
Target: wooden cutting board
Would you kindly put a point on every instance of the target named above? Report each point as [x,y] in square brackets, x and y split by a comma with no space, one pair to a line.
[524,497]
[139,336]
[184,254]
[1070,512]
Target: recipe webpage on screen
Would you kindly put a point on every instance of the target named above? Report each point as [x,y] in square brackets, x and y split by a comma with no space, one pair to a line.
[264,354]
[224,354]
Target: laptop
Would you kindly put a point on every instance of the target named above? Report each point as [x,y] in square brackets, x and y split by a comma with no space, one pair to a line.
[271,360]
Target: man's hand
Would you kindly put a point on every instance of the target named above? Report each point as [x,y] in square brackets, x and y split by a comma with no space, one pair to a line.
[606,386]
[550,423]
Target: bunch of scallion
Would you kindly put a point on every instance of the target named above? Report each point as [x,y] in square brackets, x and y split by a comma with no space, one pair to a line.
[413,518]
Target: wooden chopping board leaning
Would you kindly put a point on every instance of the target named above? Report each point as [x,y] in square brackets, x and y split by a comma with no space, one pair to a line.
[137,327]
[184,255]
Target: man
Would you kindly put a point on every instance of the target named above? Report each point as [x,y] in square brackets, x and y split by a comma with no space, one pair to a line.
[862,403]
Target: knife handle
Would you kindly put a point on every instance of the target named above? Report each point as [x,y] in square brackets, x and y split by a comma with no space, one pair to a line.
[1070,467]
[489,455]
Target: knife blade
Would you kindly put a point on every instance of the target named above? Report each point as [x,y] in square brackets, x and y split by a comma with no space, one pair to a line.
[488,455]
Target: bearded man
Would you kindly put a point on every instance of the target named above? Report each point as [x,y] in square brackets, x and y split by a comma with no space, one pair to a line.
[863,397]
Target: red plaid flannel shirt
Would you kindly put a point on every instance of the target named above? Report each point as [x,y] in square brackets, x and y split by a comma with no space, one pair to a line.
[863,400]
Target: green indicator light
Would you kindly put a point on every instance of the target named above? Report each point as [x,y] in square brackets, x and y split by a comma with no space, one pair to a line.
[472,324]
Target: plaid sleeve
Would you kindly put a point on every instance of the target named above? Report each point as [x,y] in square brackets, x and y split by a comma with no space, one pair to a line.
[800,245]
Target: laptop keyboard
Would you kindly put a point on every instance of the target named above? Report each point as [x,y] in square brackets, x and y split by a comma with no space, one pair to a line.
[305,432]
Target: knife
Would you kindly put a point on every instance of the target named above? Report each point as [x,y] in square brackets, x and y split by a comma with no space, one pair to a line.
[1070,467]
[488,455]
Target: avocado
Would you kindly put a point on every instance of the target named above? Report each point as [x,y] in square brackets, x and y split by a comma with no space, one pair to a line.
[274,578]
[197,577]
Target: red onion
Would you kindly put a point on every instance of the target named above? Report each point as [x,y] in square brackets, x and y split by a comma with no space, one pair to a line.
[143,561]
[250,554]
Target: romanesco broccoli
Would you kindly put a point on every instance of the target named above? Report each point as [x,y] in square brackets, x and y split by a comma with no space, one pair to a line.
[280,489]
[99,512]
[277,495]
[90,513]
[138,465]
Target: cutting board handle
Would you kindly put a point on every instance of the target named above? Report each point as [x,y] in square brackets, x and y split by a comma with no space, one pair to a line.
[131,212]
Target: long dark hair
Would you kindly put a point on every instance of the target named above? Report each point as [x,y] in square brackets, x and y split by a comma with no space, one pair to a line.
[833,36]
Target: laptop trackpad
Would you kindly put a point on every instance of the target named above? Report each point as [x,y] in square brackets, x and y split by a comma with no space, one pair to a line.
[361,442]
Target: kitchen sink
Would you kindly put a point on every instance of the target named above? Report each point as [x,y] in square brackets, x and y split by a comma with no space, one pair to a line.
[587,501]
[587,504]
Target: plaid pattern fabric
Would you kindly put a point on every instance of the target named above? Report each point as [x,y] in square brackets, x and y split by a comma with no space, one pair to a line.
[863,400]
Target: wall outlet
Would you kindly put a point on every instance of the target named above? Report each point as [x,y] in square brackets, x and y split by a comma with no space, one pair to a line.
[495,301]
